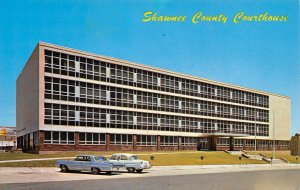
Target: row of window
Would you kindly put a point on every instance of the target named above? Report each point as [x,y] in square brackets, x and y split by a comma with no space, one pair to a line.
[59,137]
[57,114]
[61,89]
[224,142]
[60,63]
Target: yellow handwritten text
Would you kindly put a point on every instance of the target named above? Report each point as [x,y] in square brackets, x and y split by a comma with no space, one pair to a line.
[242,17]
[154,17]
[199,17]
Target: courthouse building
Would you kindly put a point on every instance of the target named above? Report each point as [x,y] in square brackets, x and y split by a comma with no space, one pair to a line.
[71,100]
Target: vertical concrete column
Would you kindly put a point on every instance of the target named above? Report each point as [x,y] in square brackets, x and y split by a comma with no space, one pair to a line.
[134,142]
[269,147]
[179,143]
[76,140]
[231,145]
[18,142]
[28,141]
[158,142]
[107,141]
[41,140]
[21,142]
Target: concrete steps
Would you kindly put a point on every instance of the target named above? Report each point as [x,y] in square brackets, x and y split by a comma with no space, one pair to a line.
[258,157]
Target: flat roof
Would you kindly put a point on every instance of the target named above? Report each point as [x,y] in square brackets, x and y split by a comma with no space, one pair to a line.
[159,70]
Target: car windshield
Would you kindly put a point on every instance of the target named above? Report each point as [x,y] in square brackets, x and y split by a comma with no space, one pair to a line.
[114,157]
[100,158]
[134,157]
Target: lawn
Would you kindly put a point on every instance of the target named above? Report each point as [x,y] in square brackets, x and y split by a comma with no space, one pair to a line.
[20,155]
[280,154]
[160,159]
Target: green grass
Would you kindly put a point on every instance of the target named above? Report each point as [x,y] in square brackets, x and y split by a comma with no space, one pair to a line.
[160,159]
[20,155]
[210,158]
[280,154]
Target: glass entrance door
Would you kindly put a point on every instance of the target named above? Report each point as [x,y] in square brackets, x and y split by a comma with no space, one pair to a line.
[202,144]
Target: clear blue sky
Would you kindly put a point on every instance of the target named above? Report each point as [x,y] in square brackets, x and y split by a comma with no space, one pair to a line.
[263,56]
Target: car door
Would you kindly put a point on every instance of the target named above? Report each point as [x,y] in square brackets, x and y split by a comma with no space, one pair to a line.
[124,159]
[114,159]
[76,164]
[87,163]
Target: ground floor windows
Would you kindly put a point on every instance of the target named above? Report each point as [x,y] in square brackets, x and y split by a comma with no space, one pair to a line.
[222,142]
[47,139]
[189,141]
[147,140]
[119,139]
[168,141]
[59,137]
[263,144]
[250,143]
[92,138]
[238,143]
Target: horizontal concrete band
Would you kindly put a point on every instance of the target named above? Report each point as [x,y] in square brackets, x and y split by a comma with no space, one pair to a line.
[147,111]
[142,132]
[149,90]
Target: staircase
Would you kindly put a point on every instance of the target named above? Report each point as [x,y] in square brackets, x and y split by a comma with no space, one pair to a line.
[258,157]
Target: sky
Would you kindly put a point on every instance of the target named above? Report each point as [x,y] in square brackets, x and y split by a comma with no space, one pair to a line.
[259,55]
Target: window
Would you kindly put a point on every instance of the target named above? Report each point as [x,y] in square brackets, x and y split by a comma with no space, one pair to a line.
[222,142]
[92,138]
[168,141]
[123,157]
[147,140]
[189,141]
[59,137]
[118,139]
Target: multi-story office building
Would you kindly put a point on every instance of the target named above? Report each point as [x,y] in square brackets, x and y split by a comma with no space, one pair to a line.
[73,100]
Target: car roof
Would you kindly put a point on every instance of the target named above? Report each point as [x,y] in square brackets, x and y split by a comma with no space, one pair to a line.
[125,154]
[87,155]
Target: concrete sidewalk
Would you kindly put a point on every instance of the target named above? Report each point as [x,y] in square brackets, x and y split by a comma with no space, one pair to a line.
[28,175]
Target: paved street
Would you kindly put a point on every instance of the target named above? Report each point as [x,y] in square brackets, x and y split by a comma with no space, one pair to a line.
[276,179]
[27,175]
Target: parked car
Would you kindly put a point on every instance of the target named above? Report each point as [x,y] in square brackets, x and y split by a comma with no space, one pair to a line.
[130,162]
[94,164]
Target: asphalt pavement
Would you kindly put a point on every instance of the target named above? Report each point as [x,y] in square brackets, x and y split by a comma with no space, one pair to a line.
[178,177]
[275,179]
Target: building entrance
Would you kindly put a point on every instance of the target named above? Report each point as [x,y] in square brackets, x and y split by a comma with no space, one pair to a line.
[202,144]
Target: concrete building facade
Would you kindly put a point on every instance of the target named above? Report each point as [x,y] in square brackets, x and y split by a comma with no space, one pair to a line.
[73,100]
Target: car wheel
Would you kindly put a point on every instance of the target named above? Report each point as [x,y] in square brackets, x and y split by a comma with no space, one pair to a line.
[64,168]
[108,173]
[139,171]
[131,170]
[95,171]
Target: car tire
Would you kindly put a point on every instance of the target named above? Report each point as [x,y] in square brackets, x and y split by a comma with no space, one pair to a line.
[131,170]
[139,171]
[95,171]
[108,173]
[64,168]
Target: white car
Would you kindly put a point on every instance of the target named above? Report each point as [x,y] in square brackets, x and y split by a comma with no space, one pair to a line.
[130,162]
